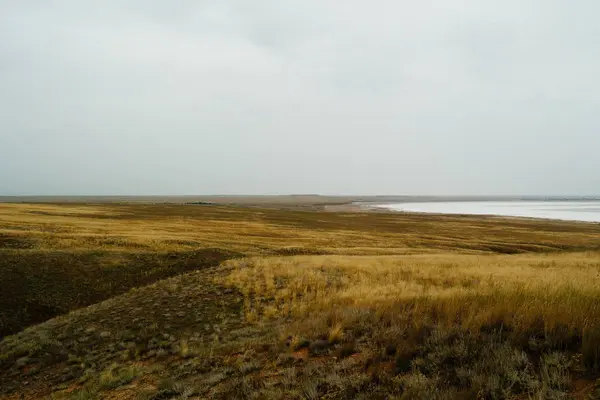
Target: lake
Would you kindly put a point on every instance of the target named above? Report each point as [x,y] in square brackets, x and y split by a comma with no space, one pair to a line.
[562,210]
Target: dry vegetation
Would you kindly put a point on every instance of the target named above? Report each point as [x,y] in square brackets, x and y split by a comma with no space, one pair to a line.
[560,291]
[554,297]
[309,304]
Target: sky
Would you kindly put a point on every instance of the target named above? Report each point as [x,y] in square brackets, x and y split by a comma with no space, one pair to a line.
[138,97]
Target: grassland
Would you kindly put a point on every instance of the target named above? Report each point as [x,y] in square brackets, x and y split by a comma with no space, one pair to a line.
[206,301]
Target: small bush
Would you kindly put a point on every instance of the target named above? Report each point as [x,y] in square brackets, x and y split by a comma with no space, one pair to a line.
[116,376]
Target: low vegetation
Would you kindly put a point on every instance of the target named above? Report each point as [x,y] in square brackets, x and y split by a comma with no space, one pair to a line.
[524,292]
[488,326]
[39,285]
[205,301]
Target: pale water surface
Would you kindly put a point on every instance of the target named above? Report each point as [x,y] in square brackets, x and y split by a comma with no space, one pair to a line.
[563,210]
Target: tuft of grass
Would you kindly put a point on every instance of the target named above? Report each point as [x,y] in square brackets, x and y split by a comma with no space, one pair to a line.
[336,334]
[184,348]
[116,376]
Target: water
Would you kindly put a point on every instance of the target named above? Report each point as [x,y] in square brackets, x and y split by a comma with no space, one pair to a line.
[562,210]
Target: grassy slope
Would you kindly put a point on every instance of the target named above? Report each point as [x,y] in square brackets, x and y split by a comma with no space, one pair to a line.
[395,305]
[39,285]
[58,258]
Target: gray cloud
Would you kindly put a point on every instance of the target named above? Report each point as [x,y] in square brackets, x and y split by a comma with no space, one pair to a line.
[198,97]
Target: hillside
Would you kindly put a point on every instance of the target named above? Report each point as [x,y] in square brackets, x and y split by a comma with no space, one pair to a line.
[236,302]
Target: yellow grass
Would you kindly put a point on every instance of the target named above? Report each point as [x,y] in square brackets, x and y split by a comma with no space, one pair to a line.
[474,291]
[436,265]
[255,231]
[336,304]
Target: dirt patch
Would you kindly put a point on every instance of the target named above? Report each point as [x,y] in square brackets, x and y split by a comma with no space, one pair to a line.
[586,389]
[301,354]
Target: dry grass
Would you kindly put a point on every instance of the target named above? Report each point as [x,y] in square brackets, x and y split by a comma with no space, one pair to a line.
[58,257]
[255,231]
[507,325]
[324,305]
[474,291]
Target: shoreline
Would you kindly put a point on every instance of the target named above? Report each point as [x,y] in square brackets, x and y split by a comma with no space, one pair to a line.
[385,208]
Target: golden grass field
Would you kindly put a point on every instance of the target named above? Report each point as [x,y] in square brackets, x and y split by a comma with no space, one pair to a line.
[471,290]
[206,301]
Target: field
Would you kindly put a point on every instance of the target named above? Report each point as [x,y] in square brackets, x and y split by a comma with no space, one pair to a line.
[280,301]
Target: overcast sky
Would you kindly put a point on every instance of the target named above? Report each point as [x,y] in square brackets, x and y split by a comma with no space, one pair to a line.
[307,96]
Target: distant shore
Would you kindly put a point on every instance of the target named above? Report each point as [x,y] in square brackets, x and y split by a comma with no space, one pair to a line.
[285,200]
